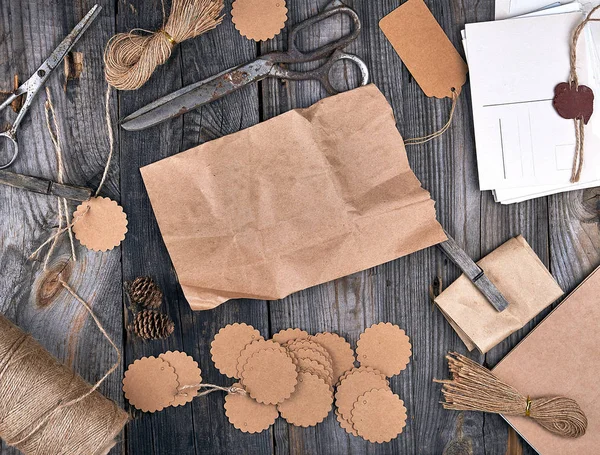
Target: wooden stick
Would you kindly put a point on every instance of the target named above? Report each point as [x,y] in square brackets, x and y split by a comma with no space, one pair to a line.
[45,186]
[473,273]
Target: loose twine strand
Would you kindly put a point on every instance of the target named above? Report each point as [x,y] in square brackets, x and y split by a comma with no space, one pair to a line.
[574,80]
[438,133]
[130,59]
[210,388]
[55,136]
[60,428]
[475,388]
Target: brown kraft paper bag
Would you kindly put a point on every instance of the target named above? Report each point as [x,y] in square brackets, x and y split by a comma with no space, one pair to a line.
[304,198]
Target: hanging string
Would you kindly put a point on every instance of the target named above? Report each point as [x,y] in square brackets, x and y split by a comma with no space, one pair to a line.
[57,145]
[578,159]
[62,202]
[438,133]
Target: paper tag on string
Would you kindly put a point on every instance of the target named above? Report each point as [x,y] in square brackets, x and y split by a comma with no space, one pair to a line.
[100,224]
[259,20]
[425,49]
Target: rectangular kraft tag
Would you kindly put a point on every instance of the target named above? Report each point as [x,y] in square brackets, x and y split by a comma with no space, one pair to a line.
[425,49]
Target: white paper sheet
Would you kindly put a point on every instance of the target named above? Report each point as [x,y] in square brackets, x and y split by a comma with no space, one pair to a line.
[526,143]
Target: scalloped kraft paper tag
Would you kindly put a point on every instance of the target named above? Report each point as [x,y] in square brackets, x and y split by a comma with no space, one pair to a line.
[309,404]
[188,374]
[385,347]
[425,49]
[150,384]
[379,415]
[342,354]
[228,344]
[100,224]
[259,20]
[249,415]
[270,376]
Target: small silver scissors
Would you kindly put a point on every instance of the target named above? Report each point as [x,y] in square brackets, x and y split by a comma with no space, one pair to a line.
[30,88]
[269,65]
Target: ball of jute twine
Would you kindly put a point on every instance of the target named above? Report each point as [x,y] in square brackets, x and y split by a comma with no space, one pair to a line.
[475,388]
[130,59]
[45,408]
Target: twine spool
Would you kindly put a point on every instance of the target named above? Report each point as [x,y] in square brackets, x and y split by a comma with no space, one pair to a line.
[130,59]
[42,411]
[475,388]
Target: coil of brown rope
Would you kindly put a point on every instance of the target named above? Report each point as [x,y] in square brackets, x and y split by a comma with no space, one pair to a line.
[130,58]
[475,388]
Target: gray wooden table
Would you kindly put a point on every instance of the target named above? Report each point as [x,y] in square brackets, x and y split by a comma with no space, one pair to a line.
[562,229]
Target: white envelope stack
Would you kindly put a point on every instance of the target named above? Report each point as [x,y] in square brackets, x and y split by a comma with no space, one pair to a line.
[524,148]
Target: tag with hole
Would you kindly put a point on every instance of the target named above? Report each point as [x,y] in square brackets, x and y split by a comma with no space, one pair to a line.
[425,49]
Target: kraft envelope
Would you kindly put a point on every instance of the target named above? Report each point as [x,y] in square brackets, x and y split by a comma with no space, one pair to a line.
[520,276]
[561,357]
[304,198]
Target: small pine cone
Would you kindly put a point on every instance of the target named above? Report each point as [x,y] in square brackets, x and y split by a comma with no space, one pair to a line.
[152,325]
[144,293]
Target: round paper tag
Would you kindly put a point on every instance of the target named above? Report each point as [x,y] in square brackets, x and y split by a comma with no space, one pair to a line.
[100,224]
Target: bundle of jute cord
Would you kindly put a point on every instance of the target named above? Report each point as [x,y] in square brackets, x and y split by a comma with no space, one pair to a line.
[45,408]
[130,59]
[474,388]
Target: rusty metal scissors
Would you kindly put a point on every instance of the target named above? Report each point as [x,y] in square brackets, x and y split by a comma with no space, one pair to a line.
[30,88]
[269,65]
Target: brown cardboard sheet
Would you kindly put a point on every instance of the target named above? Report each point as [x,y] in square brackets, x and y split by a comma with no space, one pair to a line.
[304,198]
[561,356]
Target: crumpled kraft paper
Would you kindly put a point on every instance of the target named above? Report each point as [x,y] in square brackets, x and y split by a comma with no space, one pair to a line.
[304,198]
[520,276]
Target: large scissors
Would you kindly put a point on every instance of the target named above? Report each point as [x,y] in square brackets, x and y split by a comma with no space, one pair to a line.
[30,88]
[269,65]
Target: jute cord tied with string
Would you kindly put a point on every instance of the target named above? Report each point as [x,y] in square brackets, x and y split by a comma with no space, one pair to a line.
[131,58]
[575,101]
[475,388]
[45,408]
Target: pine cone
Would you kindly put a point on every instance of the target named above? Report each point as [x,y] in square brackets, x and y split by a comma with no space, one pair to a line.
[152,325]
[144,293]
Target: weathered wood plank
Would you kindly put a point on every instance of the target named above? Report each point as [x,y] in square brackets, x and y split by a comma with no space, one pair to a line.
[396,291]
[30,296]
[200,427]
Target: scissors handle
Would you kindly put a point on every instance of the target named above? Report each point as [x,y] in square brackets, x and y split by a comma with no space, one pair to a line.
[9,138]
[295,55]
[323,72]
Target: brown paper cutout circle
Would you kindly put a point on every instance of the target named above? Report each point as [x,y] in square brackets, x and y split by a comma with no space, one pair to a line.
[345,424]
[385,347]
[270,376]
[99,224]
[353,387]
[379,415]
[284,336]
[309,404]
[362,368]
[252,348]
[309,344]
[150,384]
[188,373]
[247,414]
[227,345]
[301,355]
[259,20]
[342,354]
[315,367]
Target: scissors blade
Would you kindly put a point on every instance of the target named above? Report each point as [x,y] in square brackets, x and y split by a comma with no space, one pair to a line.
[197,94]
[71,39]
